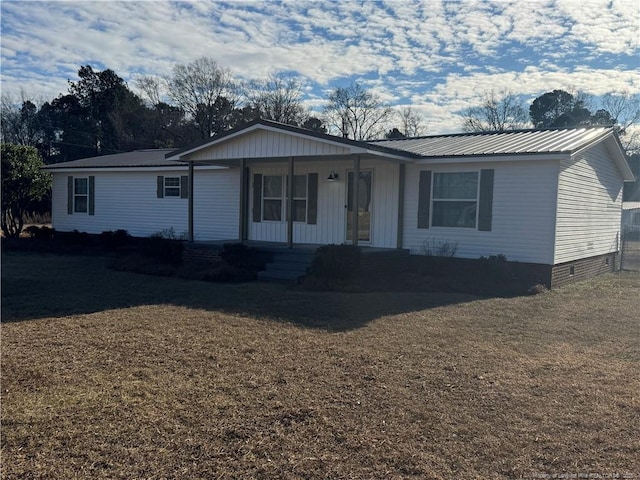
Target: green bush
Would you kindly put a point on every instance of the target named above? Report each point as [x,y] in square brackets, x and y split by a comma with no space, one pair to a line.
[241,256]
[40,233]
[75,238]
[114,240]
[165,250]
[336,262]
[223,272]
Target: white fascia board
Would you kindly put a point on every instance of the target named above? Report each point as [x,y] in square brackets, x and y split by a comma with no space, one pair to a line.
[493,158]
[172,168]
[389,156]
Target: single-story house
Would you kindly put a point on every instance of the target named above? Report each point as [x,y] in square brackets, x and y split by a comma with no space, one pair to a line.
[631,216]
[551,198]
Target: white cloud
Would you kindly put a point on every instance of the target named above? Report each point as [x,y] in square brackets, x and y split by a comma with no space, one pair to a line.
[439,53]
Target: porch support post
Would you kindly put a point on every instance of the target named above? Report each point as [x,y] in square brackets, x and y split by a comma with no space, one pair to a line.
[290,205]
[242,234]
[190,201]
[401,180]
[356,196]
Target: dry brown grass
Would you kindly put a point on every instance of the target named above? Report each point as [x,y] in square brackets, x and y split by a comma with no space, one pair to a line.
[113,375]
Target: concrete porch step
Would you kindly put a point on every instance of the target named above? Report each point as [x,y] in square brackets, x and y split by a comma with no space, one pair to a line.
[287,264]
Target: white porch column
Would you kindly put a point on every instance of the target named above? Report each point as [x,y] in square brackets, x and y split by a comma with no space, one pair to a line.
[244,200]
[190,202]
[356,196]
[290,205]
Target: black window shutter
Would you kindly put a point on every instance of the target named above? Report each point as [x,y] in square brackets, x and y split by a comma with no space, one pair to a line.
[257,197]
[312,198]
[424,198]
[160,192]
[92,195]
[70,195]
[184,186]
[485,207]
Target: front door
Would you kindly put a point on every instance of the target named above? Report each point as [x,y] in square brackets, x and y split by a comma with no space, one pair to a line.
[364,203]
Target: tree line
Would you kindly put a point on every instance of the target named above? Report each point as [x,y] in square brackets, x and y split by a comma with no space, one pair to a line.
[100,114]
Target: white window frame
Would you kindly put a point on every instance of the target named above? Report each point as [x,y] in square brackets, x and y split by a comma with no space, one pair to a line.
[299,198]
[266,199]
[167,187]
[435,200]
[77,195]
[284,197]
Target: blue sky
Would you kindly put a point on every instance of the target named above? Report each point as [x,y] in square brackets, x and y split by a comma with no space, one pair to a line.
[439,57]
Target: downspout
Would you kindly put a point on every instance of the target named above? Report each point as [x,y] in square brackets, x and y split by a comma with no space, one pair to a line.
[290,205]
[190,202]
[356,196]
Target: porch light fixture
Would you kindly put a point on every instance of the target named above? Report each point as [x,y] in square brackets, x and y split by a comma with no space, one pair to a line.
[333,176]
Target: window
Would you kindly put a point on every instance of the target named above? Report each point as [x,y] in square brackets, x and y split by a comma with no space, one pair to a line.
[171,186]
[81,195]
[272,198]
[299,198]
[455,200]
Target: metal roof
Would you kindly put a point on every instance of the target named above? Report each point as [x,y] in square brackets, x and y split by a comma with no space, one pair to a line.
[138,158]
[499,143]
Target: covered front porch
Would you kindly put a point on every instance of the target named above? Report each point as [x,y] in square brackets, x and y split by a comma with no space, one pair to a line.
[298,187]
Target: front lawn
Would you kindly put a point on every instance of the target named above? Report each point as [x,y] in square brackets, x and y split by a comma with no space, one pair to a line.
[108,374]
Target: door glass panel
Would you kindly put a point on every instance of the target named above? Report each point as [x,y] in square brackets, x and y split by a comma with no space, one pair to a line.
[363,206]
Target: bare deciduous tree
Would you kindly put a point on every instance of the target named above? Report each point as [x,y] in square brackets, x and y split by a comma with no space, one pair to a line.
[356,113]
[277,97]
[411,123]
[206,92]
[151,89]
[624,109]
[498,112]
[19,119]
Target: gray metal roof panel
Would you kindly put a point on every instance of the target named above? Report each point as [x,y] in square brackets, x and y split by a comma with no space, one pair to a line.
[499,143]
[138,158]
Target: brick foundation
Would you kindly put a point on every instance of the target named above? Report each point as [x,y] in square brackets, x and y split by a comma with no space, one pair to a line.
[565,273]
[201,254]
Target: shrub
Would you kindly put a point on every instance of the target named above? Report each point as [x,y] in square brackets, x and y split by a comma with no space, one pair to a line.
[337,262]
[40,233]
[436,248]
[222,272]
[114,240]
[75,238]
[165,250]
[239,255]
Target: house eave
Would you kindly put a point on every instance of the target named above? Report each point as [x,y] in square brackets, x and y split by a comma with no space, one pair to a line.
[502,157]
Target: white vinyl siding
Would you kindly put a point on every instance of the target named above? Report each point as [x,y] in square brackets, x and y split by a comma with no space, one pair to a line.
[128,200]
[522,217]
[589,206]
[263,144]
[332,200]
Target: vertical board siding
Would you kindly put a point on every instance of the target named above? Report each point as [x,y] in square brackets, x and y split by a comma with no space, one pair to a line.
[128,201]
[330,227]
[589,206]
[523,213]
[263,144]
